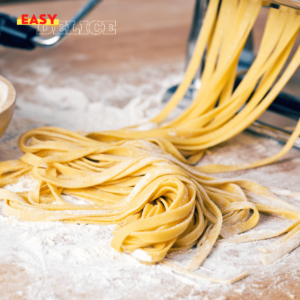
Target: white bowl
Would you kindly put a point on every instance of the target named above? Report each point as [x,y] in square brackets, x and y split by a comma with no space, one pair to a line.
[7,103]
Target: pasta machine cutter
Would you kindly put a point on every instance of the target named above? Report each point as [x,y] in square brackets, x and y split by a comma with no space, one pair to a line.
[283,113]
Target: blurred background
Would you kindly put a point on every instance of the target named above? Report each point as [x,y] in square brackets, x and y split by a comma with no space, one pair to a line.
[148,32]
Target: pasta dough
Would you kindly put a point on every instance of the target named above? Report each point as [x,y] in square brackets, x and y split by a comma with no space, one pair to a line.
[145,181]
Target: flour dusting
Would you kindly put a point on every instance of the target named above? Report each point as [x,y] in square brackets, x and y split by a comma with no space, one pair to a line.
[141,255]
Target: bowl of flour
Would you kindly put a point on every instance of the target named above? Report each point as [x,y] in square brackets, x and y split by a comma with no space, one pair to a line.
[7,103]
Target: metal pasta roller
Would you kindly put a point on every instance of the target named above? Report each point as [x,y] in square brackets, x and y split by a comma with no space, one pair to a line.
[282,115]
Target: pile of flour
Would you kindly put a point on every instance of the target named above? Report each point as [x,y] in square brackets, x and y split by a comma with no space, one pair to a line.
[53,260]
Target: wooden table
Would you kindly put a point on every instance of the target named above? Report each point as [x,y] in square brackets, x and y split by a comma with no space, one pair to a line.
[149,33]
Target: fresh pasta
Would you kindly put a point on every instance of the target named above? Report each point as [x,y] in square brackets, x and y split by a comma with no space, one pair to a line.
[147,182]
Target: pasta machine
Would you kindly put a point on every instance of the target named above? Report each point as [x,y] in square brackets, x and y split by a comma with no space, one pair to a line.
[276,122]
[282,115]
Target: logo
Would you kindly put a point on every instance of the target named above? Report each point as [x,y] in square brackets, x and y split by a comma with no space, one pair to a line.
[43,20]
[84,27]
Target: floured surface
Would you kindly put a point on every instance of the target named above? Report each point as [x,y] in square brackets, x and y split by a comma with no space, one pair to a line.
[62,261]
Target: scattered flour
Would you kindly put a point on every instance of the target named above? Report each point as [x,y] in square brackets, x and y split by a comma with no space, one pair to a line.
[141,255]
[25,184]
